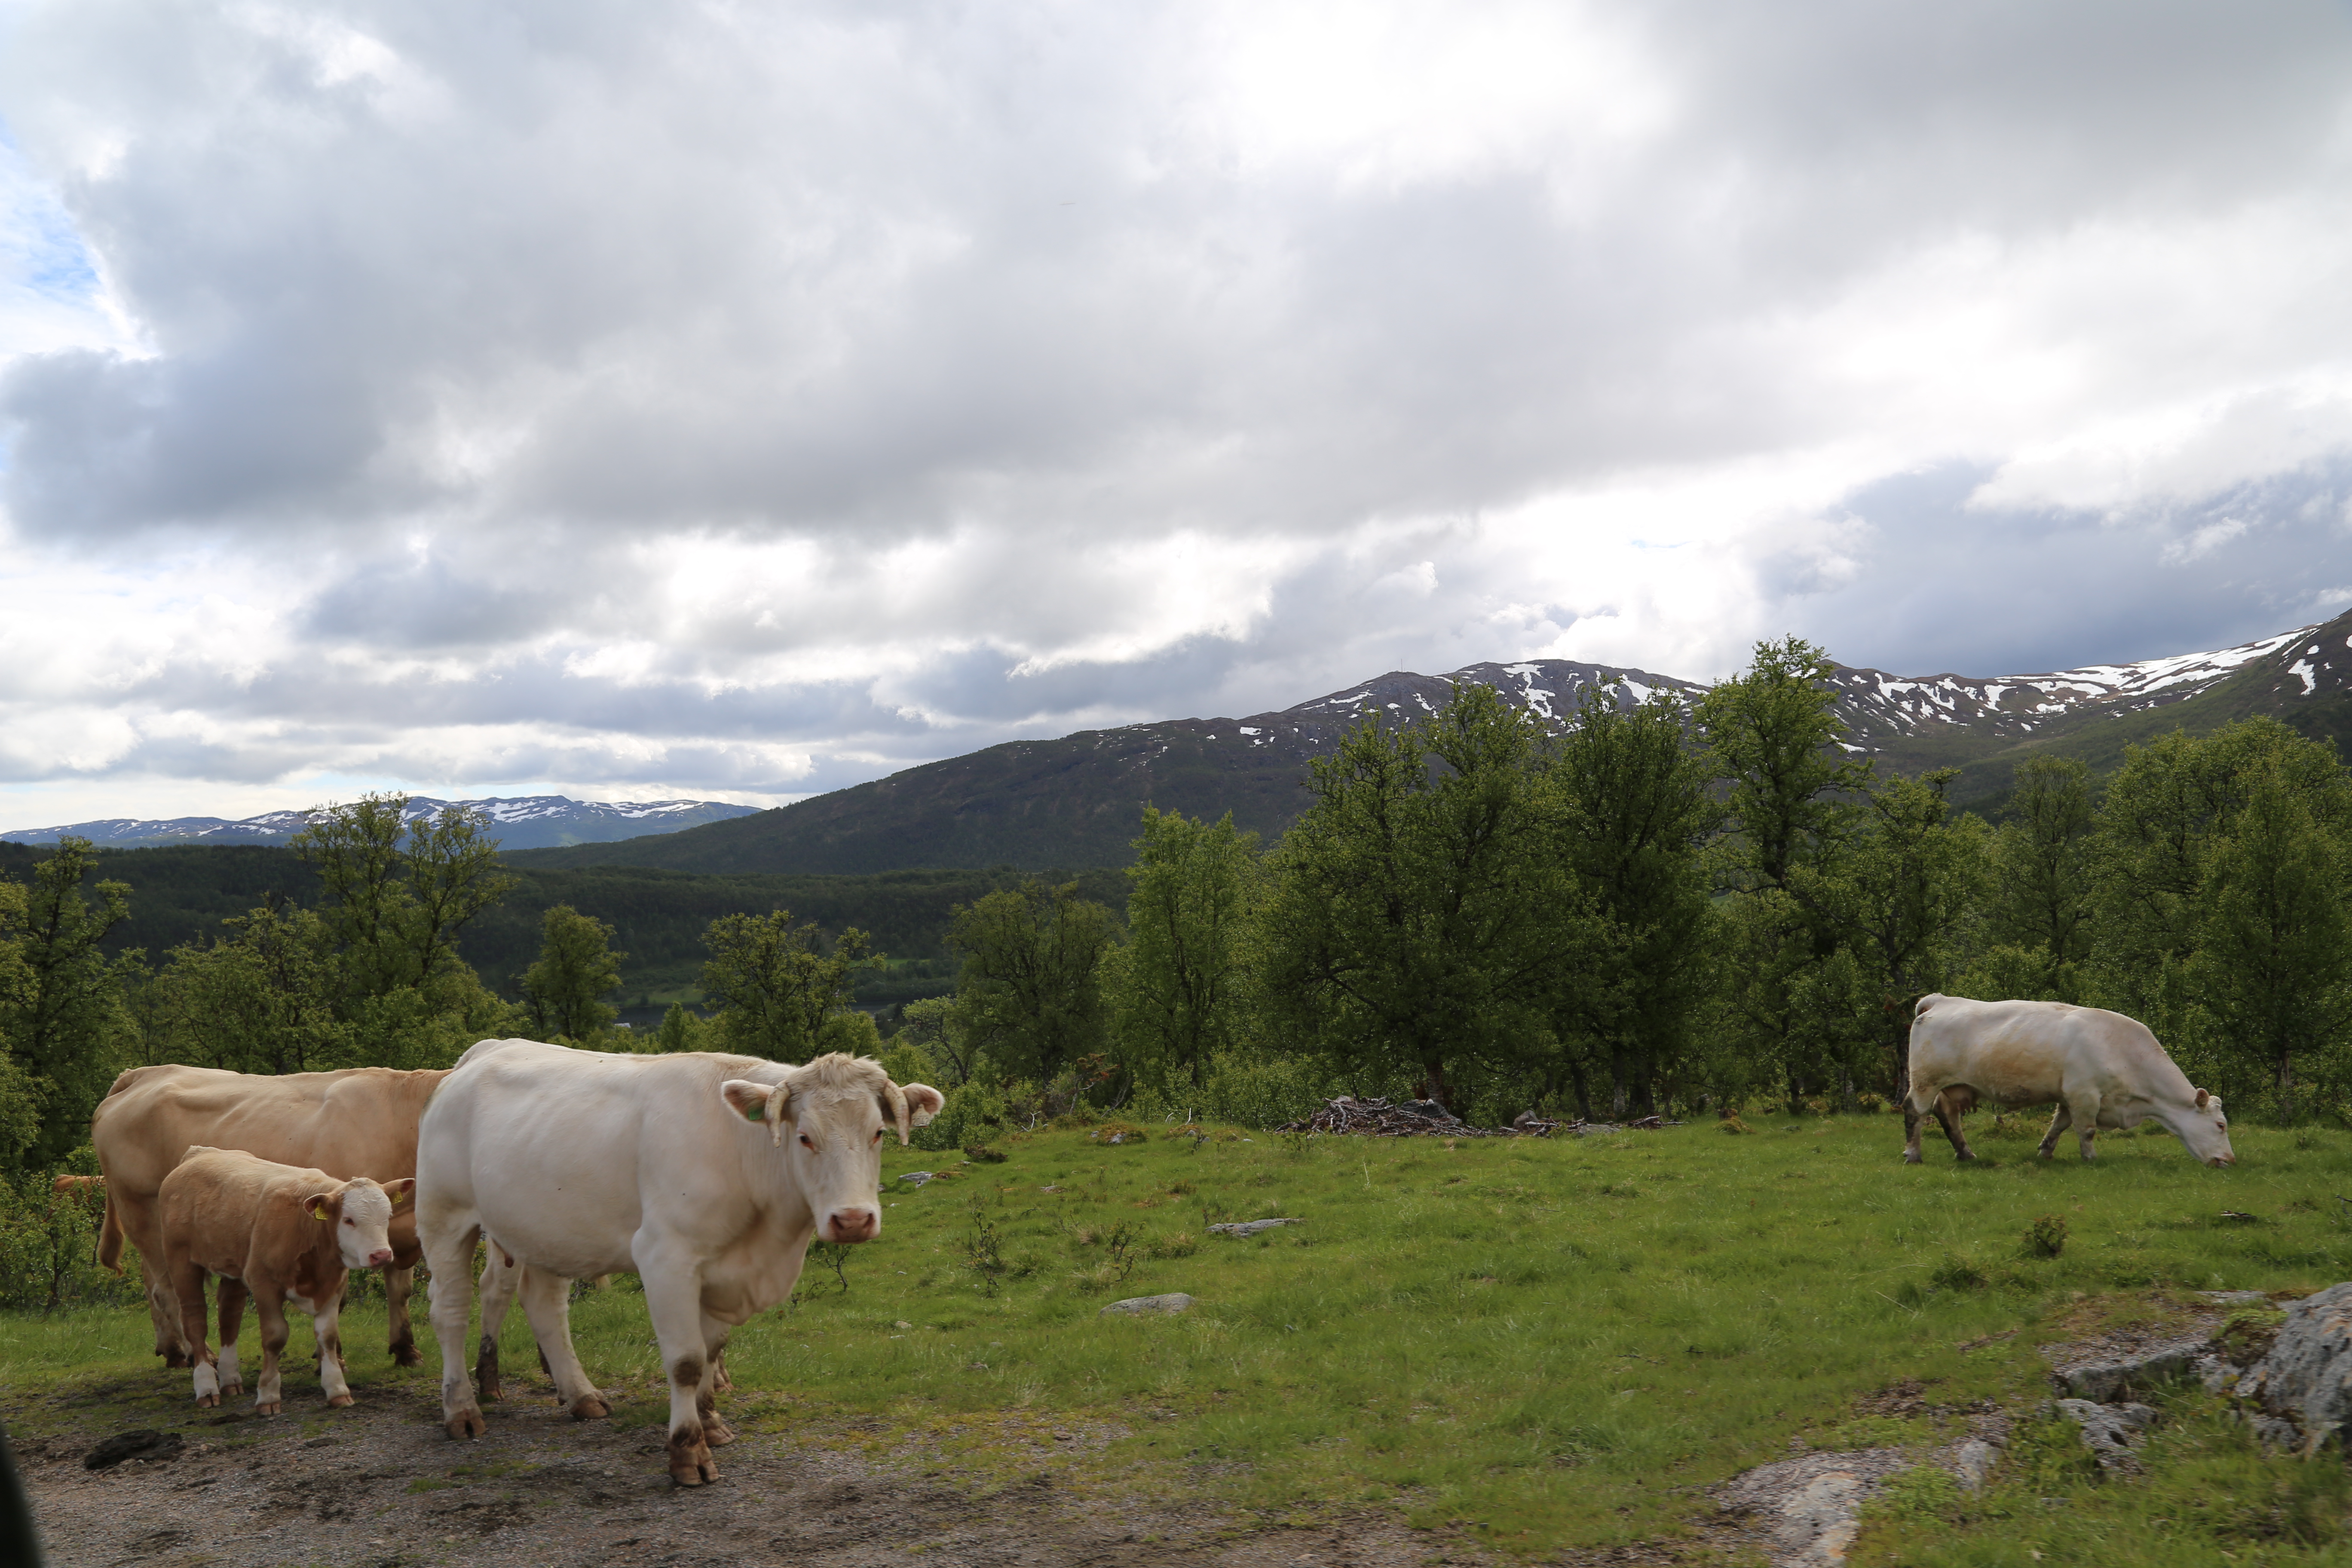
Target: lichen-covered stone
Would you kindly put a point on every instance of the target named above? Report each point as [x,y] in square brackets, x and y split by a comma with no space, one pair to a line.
[2110,1431]
[2300,1386]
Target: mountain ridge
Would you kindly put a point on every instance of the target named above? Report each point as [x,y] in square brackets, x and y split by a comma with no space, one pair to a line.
[1075,800]
[518,822]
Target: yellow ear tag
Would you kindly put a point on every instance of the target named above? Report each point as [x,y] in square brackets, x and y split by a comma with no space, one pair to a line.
[319,1213]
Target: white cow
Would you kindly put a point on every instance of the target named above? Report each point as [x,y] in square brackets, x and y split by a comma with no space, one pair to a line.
[708,1174]
[2104,1070]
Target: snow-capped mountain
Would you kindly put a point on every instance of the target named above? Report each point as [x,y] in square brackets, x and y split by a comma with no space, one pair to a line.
[1879,708]
[517,821]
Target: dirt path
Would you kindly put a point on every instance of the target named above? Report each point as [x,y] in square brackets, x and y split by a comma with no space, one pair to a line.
[380,1485]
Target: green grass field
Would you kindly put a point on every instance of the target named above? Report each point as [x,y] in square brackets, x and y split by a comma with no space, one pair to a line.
[1553,1343]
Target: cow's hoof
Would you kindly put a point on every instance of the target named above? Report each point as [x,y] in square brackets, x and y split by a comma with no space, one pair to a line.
[720,1381]
[339,1401]
[405,1354]
[690,1464]
[717,1433]
[206,1401]
[231,1386]
[176,1362]
[267,1406]
[465,1424]
[588,1407]
[1909,1158]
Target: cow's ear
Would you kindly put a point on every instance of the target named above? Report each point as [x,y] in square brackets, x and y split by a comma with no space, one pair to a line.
[923,1102]
[2202,1098]
[320,1206]
[758,1102]
[401,1190]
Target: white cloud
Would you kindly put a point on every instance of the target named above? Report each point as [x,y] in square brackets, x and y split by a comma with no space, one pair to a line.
[752,400]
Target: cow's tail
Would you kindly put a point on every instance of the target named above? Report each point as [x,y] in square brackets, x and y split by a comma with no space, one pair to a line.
[109,1236]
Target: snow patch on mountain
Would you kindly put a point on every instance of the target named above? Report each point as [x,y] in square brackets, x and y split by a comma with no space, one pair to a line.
[517,821]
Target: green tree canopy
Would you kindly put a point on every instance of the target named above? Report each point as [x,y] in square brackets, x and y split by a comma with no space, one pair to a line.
[777,983]
[1030,994]
[1178,999]
[1629,812]
[577,968]
[62,1012]
[1415,921]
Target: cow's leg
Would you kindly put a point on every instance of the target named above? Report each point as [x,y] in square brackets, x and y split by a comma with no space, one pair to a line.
[501,1277]
[2086,1124]
[547,1302]
[2058,1123]
[449,1253]
[399,1282]
[715,1432]
[327,1329]
[268,1396]
[1914,1118]
[187,1292]
[1948,1115]
[674,1301]
[232,1321]
[143,1226]
[720,1381]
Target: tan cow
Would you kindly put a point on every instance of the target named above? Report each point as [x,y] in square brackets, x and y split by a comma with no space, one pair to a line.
[2104,1070]
[361,1122]
[280,1233]
[64,1185]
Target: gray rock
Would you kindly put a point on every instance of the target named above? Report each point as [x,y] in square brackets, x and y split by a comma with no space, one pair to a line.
[2106,1382]
[1175,1302]
[1974,1463]
[2110,1431]
[2299,1388]
[1251,1227]
[2232,1298]
[2216,1374]
[917,1177]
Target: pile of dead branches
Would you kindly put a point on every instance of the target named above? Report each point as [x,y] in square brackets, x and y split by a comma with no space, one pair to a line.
[1415,1118]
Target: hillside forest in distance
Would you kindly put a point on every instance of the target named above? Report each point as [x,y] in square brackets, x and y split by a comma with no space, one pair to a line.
[1675,907]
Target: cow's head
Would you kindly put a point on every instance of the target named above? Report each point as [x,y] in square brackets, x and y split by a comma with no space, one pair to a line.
[360,1212]
[2205,1130]
[829,1118]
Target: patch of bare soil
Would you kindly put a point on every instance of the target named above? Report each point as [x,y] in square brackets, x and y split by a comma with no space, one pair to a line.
[380,1485]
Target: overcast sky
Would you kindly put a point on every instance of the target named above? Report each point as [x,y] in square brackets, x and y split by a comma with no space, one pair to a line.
[741,401]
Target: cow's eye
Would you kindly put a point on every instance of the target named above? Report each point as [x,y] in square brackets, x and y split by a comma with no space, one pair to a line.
[808,1143]
[352,1222]
[877,1135]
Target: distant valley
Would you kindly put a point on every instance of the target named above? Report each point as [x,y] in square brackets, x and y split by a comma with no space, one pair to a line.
[1074,801]
[517,821]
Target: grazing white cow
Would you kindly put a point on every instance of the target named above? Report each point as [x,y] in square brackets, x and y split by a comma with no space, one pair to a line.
[708,1174]
[2104,1070]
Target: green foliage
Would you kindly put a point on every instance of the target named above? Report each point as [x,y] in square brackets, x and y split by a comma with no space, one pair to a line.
[2039,900]
[779,983]
[1629,807]
[577,968]
[983,1155]
[1959,1272]
[261,997]
[62,1019]
[1415,924]
[1029,997]
[48,1241]
[2046,1236]
[681,1030]
[1175,991]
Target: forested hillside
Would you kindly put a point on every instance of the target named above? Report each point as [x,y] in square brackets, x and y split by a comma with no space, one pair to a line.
[183,894]
[1072,801]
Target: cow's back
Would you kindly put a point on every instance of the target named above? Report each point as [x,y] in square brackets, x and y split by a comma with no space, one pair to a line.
[2022,1052]
[359,1121]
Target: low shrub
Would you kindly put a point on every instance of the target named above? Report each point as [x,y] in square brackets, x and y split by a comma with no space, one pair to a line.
[2046,1236]
[1959,1272]
[49,1243]
[982,1154]
[2246,1336]
[1733,1124]
[1117,1132]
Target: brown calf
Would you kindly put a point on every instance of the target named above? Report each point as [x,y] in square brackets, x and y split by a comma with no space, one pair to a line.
[281,1233]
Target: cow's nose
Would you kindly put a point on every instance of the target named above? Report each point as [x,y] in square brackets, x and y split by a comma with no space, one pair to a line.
[854,1224]
[379,1258]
